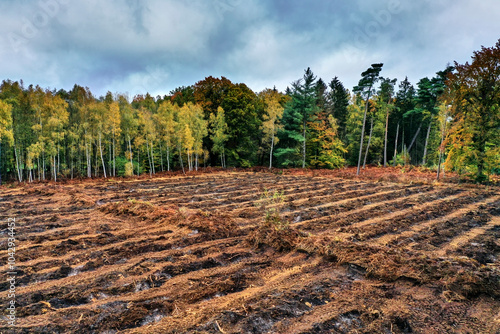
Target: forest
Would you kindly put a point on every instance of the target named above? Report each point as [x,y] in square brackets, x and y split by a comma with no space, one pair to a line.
[450,122]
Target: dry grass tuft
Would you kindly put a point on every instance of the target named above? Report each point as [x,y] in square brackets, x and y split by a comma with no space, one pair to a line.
[141,209]
[275,231]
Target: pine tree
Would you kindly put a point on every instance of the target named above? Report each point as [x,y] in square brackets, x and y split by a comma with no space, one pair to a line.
[337,102]
[296,117]
[365,87]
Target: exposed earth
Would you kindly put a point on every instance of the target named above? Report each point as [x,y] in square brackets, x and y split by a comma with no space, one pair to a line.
[384,253]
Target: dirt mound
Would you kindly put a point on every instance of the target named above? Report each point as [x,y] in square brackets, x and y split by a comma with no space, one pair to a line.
[141,209]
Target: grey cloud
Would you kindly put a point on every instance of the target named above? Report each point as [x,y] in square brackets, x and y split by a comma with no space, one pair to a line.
[137,46]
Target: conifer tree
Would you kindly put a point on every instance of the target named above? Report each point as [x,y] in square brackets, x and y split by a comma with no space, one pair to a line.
[365,87]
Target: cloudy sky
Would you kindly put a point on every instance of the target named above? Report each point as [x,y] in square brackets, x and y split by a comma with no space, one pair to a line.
[134,46]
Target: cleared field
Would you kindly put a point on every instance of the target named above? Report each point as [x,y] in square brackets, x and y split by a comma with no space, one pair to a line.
[183,255]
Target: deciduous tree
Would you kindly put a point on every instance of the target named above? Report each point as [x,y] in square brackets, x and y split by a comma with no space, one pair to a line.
[474,92]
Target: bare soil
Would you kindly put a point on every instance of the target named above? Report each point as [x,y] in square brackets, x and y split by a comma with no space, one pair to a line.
[389,252]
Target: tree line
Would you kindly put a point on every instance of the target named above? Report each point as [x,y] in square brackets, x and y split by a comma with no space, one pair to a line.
[450,122]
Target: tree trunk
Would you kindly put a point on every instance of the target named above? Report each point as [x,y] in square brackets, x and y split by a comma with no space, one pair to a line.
[38,166]
[414,138]
[110,161]
[149,159]
[386,132]
[19,174]
[43,165]
[161,156]
[396,147]
[368,145]
[102,157]
[440,154]
[152,159]
[363,132]
[58,154]
[424,160]
[89,160]
[114,154]
[180,158]
[55,169]
[168,158]
[271,153]
[96,171]
[304,146]
[138,162]
[130,152]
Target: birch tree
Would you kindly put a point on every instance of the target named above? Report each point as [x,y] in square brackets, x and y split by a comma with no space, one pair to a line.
[272,116]
[6,131]
[218,131]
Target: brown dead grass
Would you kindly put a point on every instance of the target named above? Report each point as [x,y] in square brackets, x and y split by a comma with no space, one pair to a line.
[194,254]
[463,276]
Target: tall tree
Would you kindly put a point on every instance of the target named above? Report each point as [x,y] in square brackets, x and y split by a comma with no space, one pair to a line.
[272,117]
[474,90]
[426,110]
[219,135]
[167,113]
[365,87]
[404,102]
[114,130]
[243,115]
[100,127]
[200,130]
[129,126]
[386,102]
[304,97]
[6,131]
[337,102]
[297,115]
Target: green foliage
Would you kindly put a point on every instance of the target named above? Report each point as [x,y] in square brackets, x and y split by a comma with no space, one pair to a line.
[218,131]
[403,158]
[297,114]
[473,90]
[337,104]
[125,168]
[243,116]
[325,147]
[46,133]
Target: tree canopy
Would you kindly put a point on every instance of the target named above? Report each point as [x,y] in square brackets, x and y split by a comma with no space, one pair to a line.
[452,117]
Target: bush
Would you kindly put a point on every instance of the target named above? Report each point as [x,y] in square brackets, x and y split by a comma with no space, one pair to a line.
[125,168]
[129,169]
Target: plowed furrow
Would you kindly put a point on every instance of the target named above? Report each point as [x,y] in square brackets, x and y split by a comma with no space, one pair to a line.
[424,212]
[403,237]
